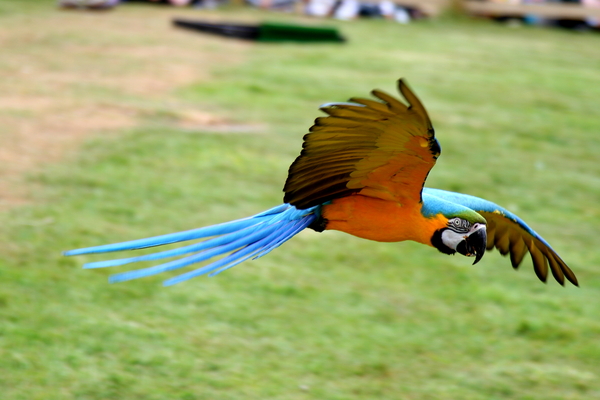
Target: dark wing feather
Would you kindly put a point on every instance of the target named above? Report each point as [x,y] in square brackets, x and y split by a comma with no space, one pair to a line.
[382,149]
[510,237]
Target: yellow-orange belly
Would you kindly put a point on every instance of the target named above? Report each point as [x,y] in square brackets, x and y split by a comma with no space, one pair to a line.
[381,220]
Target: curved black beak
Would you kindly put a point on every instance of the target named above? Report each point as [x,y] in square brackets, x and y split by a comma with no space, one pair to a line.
[474,244]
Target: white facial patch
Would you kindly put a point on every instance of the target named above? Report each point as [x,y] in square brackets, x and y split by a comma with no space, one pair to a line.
[451,238]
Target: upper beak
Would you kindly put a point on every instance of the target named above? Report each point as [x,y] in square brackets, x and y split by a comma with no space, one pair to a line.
[474,244]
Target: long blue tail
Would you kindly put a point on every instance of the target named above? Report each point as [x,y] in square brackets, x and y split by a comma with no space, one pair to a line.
[243,239]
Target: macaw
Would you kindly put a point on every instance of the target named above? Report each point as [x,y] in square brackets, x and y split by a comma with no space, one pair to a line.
[361,171]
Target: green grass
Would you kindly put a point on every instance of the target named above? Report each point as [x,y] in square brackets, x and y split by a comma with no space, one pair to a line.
[326,316]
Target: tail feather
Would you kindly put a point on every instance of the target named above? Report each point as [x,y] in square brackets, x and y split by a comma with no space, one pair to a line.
[207,244]
[226,262]
[251,237]
[202,256]
[199,233]
[285,236]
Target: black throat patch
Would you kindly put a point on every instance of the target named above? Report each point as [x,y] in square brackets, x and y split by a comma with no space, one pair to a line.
[436,241]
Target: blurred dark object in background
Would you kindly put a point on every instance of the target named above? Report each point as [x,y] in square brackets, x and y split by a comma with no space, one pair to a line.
[265,32]
[571,14]
[177,3]
[88,4]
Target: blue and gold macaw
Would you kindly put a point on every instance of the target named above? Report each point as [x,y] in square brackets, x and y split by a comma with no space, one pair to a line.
[361,171]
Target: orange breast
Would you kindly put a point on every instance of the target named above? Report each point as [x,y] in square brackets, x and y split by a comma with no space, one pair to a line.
[381,220]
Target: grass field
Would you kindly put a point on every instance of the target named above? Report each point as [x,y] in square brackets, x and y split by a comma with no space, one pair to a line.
[115,126]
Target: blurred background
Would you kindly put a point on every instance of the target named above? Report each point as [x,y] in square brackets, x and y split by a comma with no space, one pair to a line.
[117,125]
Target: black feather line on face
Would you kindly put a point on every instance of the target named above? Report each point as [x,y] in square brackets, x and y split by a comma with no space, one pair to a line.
[458,230]
[438,243]
[459,225]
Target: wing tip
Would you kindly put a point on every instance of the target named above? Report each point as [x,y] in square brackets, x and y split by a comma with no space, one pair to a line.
[540,274]
[570,275]
[401,83]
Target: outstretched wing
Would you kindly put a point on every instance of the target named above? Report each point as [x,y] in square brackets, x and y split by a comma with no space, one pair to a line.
[382,149]
[511,235]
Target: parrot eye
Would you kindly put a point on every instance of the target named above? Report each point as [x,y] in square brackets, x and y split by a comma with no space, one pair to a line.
[459,225]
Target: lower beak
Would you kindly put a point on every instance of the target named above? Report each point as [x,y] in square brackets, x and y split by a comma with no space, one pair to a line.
[474,245]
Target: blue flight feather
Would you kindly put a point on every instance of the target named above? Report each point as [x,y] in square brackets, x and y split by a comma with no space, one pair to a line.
[242,239]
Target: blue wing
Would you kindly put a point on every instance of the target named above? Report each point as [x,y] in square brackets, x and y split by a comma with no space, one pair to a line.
[511,235]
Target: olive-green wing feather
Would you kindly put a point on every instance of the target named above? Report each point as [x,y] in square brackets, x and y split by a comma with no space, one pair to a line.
[512,236]
[379,148]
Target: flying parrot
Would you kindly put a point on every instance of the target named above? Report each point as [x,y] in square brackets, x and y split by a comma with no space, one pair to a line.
[361,171]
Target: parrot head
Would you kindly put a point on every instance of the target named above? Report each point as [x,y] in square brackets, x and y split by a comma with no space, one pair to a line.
[465,233]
